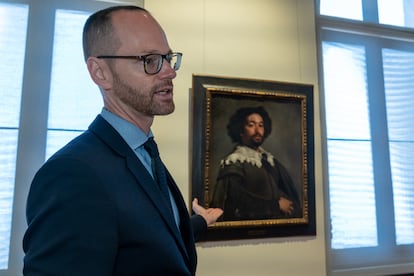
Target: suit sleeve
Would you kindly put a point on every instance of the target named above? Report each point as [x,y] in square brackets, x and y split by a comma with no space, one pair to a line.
[199,226]
[71,222]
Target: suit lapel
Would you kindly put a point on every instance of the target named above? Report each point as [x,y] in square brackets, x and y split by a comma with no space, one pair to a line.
[150,187]
[113,140]
[185,225]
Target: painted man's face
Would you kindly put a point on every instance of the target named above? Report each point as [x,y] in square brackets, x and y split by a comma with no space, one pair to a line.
[253,131]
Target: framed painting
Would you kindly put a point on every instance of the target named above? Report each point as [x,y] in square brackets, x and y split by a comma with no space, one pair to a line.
[252,154]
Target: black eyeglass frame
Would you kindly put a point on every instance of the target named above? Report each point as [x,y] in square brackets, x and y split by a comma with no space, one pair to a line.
[168,57]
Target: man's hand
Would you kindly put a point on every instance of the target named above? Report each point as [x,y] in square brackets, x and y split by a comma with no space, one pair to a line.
[286,205]
[210,215]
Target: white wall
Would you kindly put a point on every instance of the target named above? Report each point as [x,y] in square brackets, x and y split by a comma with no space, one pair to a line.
[262,39]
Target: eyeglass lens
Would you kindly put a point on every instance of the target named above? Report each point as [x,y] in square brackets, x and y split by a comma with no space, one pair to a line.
[153,63]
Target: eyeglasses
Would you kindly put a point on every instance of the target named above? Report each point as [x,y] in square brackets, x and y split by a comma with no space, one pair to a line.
[153,62]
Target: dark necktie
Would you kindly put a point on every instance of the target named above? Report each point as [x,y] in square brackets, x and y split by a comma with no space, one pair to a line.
[158,169]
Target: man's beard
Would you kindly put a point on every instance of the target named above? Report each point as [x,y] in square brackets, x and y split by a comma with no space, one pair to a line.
[252,142]
[140,100]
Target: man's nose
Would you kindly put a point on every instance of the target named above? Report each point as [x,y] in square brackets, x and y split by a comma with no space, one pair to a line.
[167,70]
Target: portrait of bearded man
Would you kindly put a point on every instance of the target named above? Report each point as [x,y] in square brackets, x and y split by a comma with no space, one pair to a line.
[251,182]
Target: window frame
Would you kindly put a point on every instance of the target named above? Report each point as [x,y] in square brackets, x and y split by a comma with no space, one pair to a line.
[387,257]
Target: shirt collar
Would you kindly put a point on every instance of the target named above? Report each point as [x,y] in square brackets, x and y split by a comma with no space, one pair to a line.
[132,134]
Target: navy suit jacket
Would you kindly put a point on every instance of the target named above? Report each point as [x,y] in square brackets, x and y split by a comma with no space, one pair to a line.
[93,209]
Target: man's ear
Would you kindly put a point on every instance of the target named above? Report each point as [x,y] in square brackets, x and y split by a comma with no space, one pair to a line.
[99,72]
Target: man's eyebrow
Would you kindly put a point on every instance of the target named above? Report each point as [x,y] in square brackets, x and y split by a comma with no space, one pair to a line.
[157,52]
[253,120]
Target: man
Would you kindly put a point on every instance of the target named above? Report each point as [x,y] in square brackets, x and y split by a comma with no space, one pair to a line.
[96,207]
[251,183]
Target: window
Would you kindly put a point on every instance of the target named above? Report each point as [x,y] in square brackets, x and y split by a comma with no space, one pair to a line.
[367,70]
[13,24]
[47,99]
[81,96]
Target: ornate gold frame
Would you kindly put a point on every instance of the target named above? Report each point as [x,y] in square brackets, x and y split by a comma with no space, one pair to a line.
[212,98]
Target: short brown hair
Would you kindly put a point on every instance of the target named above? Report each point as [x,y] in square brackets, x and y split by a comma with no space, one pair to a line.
[98,33]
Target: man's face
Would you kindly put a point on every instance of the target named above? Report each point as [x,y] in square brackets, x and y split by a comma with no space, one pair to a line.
[133,90]
[253,131]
